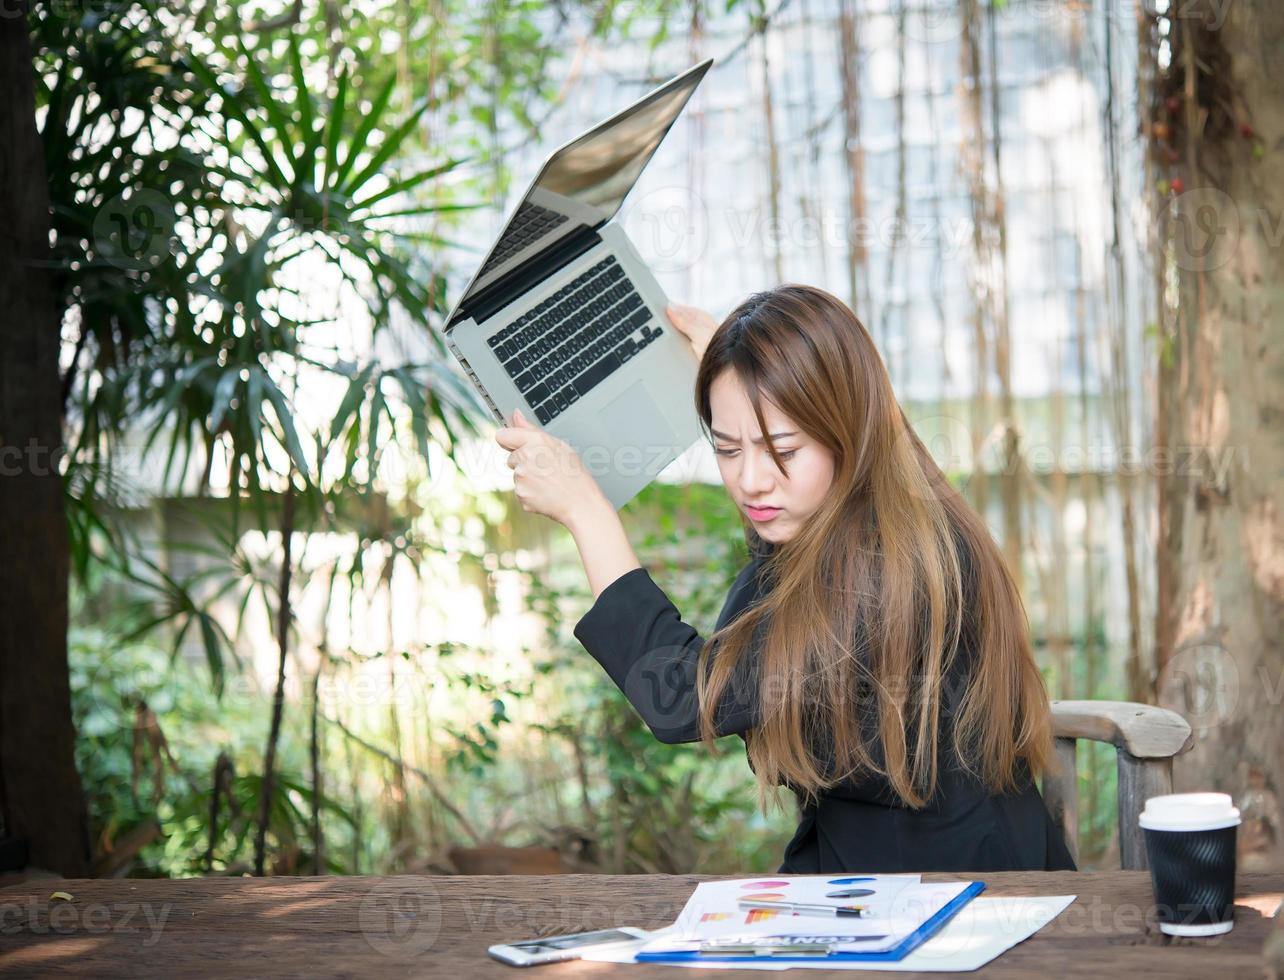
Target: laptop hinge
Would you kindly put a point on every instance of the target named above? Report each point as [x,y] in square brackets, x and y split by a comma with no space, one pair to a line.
[525,277]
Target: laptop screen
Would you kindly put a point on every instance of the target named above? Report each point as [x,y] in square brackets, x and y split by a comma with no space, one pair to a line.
[584,183]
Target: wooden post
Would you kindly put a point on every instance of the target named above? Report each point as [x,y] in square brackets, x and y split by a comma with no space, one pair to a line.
[1139,779]
[1061,793]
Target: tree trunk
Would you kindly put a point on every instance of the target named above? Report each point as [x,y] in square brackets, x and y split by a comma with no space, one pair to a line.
[278,697]
[1221,492]
[41,804]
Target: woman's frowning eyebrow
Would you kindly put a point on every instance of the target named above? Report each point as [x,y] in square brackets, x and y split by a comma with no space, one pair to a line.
[774,435]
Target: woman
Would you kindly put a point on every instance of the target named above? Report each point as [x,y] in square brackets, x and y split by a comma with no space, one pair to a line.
[873,654]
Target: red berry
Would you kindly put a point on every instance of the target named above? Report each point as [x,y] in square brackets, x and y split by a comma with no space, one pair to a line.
[1176,185]
[1173,104]
[1246,131]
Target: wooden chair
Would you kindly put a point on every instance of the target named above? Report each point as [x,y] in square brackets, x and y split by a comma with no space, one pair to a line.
[1146,739]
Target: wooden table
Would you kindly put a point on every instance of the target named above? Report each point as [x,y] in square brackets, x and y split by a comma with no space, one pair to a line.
[441,926]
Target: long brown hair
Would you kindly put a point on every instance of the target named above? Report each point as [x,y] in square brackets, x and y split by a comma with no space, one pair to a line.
[888,582]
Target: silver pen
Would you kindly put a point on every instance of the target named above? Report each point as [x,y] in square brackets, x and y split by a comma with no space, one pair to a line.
[804,908]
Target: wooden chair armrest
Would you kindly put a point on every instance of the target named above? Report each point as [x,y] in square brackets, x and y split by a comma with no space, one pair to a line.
[1146,739]
[1143,730]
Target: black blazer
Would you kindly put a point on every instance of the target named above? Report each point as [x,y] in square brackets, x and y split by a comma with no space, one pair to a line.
[634,631]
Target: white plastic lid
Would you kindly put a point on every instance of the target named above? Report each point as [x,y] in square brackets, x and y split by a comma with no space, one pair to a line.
[1189,811]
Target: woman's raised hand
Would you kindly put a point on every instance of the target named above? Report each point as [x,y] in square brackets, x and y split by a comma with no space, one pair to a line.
[549,477]
[694,324]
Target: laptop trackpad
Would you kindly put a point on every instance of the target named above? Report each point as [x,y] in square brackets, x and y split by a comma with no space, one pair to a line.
[643,439]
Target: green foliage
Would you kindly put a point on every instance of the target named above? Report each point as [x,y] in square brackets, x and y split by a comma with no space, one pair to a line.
[263,179]
[475,749]
[193,193]
[148,739]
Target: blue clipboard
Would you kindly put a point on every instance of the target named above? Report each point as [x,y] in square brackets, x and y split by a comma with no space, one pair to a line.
[897,952]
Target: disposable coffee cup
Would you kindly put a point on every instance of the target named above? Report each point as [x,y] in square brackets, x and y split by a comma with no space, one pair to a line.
[1190,841]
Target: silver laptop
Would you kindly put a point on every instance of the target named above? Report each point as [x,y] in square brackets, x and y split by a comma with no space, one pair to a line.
[565,321]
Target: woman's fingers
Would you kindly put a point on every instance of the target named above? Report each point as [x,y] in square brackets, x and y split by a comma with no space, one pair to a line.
[680,317]
[693,323]
[548,475]
[691,319]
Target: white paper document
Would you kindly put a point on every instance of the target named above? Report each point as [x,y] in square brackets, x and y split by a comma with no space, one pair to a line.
[892,908]
[980,931]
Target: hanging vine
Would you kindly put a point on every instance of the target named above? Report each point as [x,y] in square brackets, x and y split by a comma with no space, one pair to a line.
[773,152]
[890,298]
[972,167]
[1118,378]
[854,155]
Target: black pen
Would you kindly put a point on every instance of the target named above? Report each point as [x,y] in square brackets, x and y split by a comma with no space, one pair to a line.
[804,908]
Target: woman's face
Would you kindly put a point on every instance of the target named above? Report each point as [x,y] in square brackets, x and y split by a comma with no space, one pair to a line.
[749,472]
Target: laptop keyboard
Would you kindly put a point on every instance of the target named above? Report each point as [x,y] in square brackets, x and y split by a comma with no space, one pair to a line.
[562,349]
[529,223]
